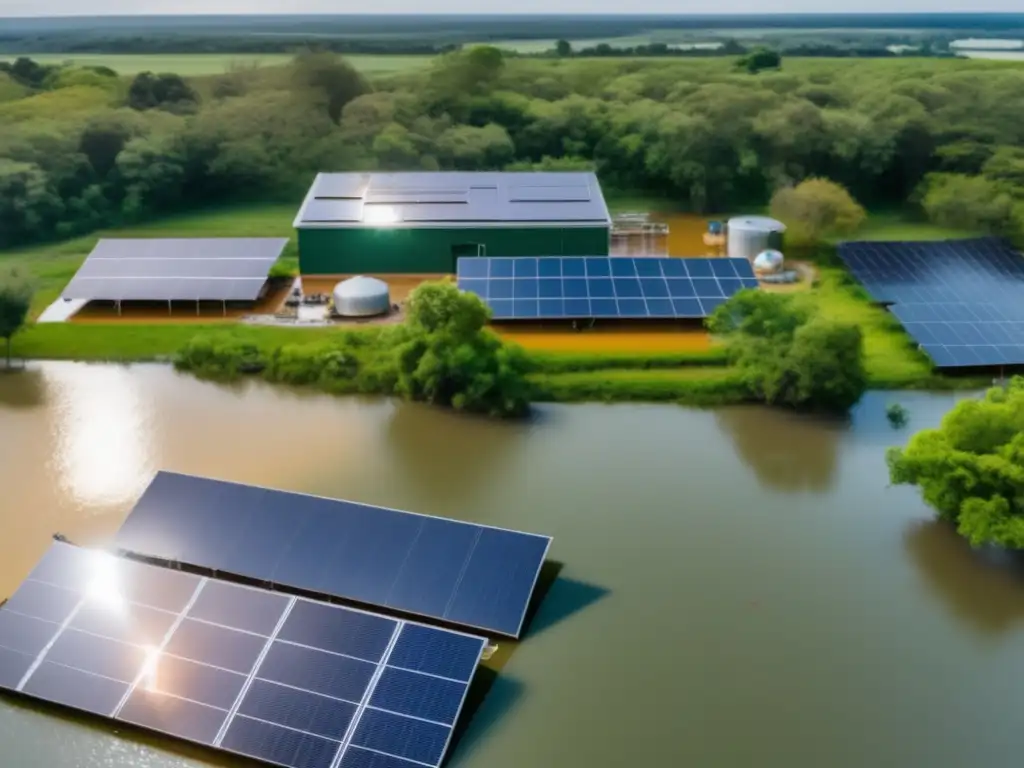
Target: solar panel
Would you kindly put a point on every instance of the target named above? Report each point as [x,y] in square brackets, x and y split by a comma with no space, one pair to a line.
[586,287]
[164,289]
[332,210]
[565,194]
[340,186]
[466,574]
[222,269]
[281,679]
[449,197]
[961,300]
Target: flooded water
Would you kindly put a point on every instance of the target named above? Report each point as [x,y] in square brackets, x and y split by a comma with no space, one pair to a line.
[685,238]
[740,586]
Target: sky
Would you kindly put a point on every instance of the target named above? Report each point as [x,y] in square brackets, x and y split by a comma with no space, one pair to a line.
[131,7]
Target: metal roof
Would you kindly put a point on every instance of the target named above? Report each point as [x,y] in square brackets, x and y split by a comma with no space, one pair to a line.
[229,269]
[453,198]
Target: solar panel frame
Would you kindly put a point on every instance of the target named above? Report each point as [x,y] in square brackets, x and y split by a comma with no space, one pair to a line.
[590,287]
[225,269]
[123,680]
[960,300]
[239,529]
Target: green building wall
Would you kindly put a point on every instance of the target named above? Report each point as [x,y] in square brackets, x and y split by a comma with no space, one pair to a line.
[344,251]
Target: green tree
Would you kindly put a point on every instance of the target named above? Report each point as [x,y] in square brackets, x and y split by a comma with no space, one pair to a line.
[816,208]
[788,356]
[760,59]
[563,48]
[15,300]
[331,80]
[966,202]
[167,91]
[971,469]
[445,355]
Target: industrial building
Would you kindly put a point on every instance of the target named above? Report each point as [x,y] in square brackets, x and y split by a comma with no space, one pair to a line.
[422,222]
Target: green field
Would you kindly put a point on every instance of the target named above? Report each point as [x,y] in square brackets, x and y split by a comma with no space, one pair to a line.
[675,38]
[199,64]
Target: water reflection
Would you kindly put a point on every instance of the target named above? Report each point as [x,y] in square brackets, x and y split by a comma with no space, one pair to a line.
[446,457]
[984,587]
[788,452]
[21,388]
[101,431]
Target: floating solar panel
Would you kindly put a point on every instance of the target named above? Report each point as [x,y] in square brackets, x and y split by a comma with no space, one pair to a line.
[961,300]
[194,269]
[586,287]
[466,574]
[281,679]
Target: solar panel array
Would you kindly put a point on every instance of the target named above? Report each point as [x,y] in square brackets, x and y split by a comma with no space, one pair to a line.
[466,574]
[586,287]
[193,269]
[282,679]
[422,199]
[961,300]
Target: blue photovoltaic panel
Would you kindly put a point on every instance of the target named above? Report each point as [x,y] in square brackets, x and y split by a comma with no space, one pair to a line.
[471,575]
[588,287]
[961,300]
[282,679]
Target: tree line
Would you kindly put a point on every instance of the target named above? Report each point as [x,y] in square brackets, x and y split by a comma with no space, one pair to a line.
[81,148]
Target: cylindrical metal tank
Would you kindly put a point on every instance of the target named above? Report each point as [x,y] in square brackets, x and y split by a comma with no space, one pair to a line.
[750,235]
[361,297]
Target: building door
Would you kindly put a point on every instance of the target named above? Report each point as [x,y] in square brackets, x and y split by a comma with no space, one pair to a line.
[461,250]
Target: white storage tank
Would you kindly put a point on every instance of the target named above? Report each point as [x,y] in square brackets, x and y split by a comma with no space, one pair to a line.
[750,235]
[361,297]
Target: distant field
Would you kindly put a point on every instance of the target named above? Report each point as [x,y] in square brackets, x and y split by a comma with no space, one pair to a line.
[677,38]
[198,64]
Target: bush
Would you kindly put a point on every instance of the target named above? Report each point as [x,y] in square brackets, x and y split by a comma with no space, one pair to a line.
[815,209]
[790,356]
[219,357]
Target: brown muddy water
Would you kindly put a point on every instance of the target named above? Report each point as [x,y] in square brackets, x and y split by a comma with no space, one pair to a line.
[740,586]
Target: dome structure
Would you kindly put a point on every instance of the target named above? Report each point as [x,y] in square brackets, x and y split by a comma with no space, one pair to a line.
[361,297]
[768,262]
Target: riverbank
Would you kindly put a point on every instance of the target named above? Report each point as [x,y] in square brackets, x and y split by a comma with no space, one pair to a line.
[633,368]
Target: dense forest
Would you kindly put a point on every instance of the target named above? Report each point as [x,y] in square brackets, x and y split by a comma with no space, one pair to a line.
[82,148]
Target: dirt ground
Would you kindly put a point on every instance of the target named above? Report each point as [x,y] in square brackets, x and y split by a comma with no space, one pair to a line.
[635,337]
[181,311]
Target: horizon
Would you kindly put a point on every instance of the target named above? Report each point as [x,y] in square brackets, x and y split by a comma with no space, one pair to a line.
[220,12]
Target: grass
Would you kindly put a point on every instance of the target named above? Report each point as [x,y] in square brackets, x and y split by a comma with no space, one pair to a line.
[144,342]
[200,64]
[890,357]
[709,385]
[891,226]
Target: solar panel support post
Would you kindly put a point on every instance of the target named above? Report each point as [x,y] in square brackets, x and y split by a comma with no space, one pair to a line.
[169,310]
[118,302]
[224,306]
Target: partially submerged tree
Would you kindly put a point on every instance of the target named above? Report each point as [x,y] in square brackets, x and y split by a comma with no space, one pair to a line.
[816,208]
[971,469]
[789,356]
[15,300]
